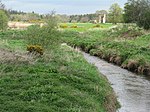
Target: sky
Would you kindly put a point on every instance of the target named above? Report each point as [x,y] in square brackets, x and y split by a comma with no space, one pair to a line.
[61,6]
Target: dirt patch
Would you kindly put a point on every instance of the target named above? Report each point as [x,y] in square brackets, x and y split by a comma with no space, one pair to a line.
[112,59]
[133,65]
[118,60]
[8,56]
[144,70]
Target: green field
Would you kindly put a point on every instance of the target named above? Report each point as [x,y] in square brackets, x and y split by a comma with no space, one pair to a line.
[81,27]
[58,81]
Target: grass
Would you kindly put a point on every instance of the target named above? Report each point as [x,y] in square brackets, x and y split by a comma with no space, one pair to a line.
[122,46]
[81,27]
[9,40]
[58,81]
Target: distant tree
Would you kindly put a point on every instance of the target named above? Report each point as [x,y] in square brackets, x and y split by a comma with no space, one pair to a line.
[2,6]
[138,11]
[3,20]
[63,18]
[115,14]
[84,19]
[101,12]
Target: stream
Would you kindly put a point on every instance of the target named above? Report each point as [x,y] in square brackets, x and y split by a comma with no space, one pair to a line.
[133,91]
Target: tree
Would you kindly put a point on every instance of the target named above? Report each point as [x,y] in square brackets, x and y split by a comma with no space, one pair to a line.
[84,19]
[138,11]
[3,20]
[115,14]
[2,6]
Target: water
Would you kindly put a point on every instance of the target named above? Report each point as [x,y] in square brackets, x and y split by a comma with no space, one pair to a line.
[133,91]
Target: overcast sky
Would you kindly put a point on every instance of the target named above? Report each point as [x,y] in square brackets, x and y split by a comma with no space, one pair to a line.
[61,6]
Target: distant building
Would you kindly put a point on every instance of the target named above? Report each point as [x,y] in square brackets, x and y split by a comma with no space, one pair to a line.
[102,16]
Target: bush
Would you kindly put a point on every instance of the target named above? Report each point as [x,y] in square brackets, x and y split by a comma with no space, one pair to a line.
[97,26]
[3,20]
[35,49]
[63,26]
[128,31]
[74,26]
[48,36]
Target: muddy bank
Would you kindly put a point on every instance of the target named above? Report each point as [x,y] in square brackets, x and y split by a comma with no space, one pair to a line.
[133,91]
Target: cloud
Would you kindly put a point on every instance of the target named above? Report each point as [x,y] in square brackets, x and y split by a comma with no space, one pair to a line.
[61,6]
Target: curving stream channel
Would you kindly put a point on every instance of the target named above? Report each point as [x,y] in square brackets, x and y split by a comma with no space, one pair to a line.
[133,91]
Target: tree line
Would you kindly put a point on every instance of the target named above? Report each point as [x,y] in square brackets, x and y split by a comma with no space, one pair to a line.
[135,11]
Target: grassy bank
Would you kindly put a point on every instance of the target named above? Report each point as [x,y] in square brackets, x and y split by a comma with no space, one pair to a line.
[126,46]
[60,80]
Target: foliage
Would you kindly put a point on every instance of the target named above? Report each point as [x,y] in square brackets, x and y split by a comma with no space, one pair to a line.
[63,26]
[97,26]
[2,6]
[47,36]
[138,11]
[52,21]
[74,26]
[115,14]
[3,20]
[127,31]
[35,49]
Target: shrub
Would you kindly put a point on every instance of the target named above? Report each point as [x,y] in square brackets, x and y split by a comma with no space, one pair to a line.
[3,20]
[35,49]
[97,26]
[48,36]
[63,26]
[128,31]
[74,26]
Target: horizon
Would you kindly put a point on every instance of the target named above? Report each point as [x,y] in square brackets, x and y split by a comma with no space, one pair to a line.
[74,7]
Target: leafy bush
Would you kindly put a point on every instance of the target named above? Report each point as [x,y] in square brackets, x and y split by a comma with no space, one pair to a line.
[3,20]
[47,36]
[63,26]
[97,26]
[74,26]
[35,49]
[128,31]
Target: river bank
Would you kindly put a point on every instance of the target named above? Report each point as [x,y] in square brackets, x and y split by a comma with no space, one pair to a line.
[127,47]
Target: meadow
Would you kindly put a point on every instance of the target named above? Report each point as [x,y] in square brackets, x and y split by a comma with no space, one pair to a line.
[82,27]
[40,74]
